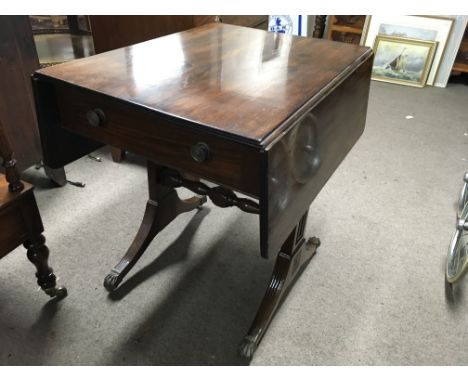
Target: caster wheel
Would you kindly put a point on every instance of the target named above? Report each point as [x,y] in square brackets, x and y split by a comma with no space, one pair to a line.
[111,282]
[313,241]
[247,348]
[203,200]
[58,292]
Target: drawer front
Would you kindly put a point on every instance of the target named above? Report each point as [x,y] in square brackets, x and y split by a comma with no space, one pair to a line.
[161,140]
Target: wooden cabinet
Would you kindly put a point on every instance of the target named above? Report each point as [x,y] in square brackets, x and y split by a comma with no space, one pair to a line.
[18,60]
[112,32]
[345,28]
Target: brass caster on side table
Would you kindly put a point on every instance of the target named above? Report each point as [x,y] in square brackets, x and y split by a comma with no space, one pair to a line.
[58,292]
[203,200]
[38,254]
[112,281]
[247,347]
[312,242]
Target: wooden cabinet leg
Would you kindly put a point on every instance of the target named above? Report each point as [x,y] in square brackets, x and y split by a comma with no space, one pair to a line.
[292,259]
[118,155]
[56,175]
[162,207]
[38,254]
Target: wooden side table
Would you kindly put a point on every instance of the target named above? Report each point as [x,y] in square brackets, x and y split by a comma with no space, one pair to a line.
[267,115]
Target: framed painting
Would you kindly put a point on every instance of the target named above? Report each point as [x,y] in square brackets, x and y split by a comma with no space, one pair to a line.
[402,60]
[430,28]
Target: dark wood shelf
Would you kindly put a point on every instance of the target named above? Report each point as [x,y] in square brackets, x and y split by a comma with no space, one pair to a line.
[460,67]
[345,28]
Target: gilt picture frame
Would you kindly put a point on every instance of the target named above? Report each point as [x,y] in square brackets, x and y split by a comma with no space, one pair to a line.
[402,61]
[422,27]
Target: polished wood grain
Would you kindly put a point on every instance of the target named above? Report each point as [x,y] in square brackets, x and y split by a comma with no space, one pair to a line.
[294,256]
[116,31]
[18,60]
[234,81]
[163,206]
[269,115]
[239,90]
[112,32]
[59,146]
[164,141]
[301,162]
[252,21]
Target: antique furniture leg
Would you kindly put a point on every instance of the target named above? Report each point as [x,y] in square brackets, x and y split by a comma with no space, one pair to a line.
[58,176]
[38,254]
[162,207]
[21,221]
[118,154]
[292,259]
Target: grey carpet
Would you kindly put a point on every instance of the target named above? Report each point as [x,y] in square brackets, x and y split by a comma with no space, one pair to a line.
[373,295]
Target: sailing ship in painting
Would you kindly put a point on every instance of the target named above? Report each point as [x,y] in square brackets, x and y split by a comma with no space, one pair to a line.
[398,63]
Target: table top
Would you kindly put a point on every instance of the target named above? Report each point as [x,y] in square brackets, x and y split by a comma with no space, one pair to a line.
[237,81]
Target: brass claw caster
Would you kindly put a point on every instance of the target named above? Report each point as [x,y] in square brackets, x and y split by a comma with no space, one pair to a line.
[111,281]
[247,348]
[58,292]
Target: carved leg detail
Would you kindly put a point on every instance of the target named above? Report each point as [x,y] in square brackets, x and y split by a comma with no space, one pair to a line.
[292,259]
[38,254]
[158,215]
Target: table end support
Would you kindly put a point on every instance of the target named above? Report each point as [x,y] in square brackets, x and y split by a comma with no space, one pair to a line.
[294,256]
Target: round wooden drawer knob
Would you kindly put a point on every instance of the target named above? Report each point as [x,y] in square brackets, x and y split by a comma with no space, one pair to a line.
[96,117]
[200,152]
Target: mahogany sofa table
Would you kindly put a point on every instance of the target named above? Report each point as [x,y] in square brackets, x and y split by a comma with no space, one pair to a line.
[266,115]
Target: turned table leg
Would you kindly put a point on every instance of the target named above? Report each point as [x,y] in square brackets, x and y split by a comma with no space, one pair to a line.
[162,207]
[292,259]
[38,254]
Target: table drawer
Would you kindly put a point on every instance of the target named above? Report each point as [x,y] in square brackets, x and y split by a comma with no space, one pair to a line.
[160,139]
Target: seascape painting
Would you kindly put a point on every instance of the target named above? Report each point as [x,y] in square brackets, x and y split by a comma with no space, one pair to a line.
[402,60]
[429,28]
